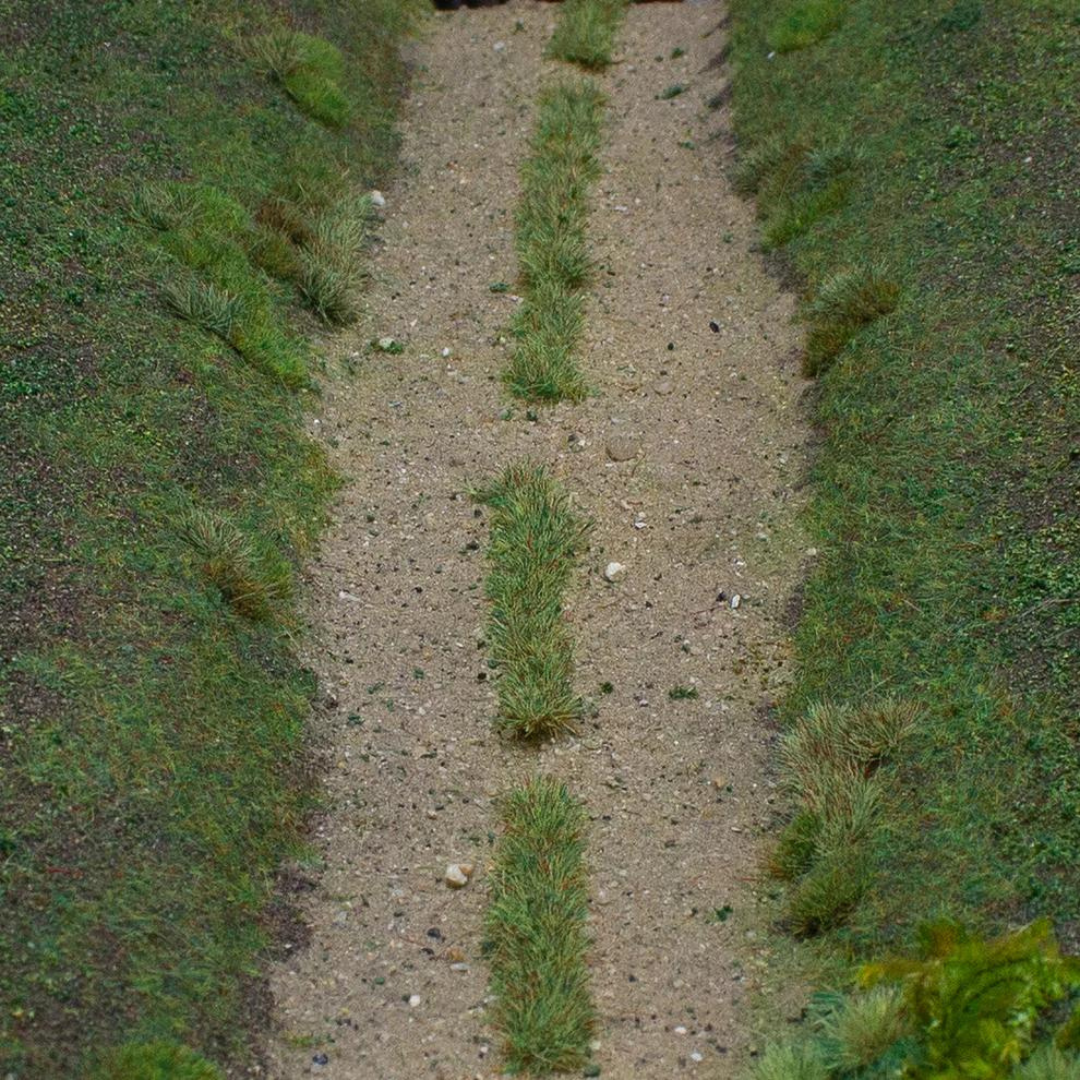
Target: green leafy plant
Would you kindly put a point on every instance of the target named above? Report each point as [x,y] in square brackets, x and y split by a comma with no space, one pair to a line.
[975,1003]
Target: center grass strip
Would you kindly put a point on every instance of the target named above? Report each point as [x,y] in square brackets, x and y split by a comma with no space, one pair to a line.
[586,32]
[551,243]
[535,932]
[534,540]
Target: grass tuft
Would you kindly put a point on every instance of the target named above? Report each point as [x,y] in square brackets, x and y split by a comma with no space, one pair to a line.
[856,1032]
[806,24]
[847,301]
[155,1061]
[535,932]
[552,246]
[834,761]
[1050,1063]
[790,1061]
[309,68]
[250,577]
[535,538]
[331,262]
[585,33]
[204,304]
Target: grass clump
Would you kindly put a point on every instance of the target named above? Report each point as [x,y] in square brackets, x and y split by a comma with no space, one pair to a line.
[790,1061]
[309,68]
[253,578]
[208,237]
[155,1061]
[552,245]
[331,271]
[585,32]
[805,24]
[535,538]
[846,302]
[834,761]
[536,939]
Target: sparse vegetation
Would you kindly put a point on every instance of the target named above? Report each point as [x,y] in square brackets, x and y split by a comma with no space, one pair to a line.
[586,30]
[535,538]
[157,489]
[683,693]
[536,939]
[552,245]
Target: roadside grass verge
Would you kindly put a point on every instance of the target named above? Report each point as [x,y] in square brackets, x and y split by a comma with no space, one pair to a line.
[585,32]
[157,493]
[944,488]
[536,940]
[535,540]
[552,244]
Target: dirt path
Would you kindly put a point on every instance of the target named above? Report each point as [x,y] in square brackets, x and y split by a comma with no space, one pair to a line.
[676,789]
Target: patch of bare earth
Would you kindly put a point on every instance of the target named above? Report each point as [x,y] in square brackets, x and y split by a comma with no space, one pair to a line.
[393,984]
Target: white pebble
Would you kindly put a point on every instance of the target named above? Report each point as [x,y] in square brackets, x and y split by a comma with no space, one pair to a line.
[378,198]
[614,571]
[414,1001]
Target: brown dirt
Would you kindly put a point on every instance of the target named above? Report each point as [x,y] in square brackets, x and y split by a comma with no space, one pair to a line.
[678,791]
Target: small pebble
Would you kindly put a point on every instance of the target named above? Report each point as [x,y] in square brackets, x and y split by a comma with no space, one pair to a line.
[680,1030]
[455,876]
[378,198]
[614,571]
[736,600]
[414,1000]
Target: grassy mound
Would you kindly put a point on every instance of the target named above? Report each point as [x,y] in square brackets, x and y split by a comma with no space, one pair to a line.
[941,302]
[173,210]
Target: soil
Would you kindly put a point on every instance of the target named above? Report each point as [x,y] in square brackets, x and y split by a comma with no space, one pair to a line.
[690,348]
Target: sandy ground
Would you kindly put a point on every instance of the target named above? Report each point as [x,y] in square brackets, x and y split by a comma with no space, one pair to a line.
[678,791]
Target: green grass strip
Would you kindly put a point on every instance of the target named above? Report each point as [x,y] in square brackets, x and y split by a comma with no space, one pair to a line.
[534,539]
[586,32]
[551,243]
[535,928]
